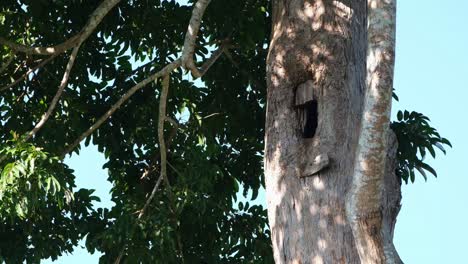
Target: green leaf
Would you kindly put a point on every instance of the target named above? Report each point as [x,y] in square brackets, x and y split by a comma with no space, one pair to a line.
[445,141]
[439,146]
[412,176]
[399,115]
[56,184]
[428,168]
[19,211]
[48,184]
[20,167]
[423,173]
[431,150]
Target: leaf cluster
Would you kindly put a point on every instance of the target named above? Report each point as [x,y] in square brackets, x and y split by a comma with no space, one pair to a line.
[416,137]
[41,215]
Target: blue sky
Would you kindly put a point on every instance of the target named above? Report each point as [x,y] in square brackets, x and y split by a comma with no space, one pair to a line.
[431,64]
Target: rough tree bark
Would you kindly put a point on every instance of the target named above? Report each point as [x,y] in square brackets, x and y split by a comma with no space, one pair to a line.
[322,45]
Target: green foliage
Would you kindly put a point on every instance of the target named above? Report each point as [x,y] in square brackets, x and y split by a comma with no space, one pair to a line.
[216,150]
[415,138]
[41,215]
[33,173]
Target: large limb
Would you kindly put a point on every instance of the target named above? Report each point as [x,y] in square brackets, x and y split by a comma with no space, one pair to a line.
[364,204]
[96,17]
[191,36]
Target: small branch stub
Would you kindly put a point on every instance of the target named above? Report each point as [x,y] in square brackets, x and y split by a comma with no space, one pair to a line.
[319,163]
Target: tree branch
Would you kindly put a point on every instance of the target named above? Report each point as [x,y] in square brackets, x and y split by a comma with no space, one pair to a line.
[56,98]
[214,57]
[162,118]
[162,151]
[151,166]
[26,74]
[191,36]
[186,57]
[364,204]
[166,70]
[93,21]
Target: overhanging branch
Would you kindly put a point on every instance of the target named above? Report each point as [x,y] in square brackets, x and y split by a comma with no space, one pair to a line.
[185,59]
[166,70]
[191,36]
[93,21]
[57,96]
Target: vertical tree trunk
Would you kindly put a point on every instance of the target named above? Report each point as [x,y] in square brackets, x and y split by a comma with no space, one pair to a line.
[364,200]
[318,46]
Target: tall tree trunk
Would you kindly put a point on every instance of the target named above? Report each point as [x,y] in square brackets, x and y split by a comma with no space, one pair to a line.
[318,56]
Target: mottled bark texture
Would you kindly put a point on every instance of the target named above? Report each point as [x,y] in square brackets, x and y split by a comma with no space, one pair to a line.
[364,208]
[322,42]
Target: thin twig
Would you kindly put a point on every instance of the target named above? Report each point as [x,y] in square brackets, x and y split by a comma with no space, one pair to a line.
[214,57]
[57,96]
[95,18]
[162,143]
[26,74]
[211,115]
[174,169]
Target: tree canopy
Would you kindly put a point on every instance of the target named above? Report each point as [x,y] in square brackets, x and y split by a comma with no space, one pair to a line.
[109,95]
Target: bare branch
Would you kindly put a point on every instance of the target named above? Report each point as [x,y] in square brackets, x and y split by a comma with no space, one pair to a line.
[151,197]
[191,36]
[166,70]
[162,143]
[56,98]
[211,115]
[26,74]
[162,118]
[162,150]
[187,54]
[199,72]
[93,21]
[151,166]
